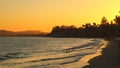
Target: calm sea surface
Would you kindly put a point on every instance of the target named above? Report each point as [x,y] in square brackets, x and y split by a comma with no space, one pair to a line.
[44,52]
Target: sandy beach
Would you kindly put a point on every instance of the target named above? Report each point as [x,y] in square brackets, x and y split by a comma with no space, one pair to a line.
[109,58]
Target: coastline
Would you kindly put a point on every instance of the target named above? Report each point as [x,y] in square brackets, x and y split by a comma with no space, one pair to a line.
[107,56]
[97,53]
[84,61]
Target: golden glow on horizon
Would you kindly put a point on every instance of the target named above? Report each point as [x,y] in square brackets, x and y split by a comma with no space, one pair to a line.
[18,15]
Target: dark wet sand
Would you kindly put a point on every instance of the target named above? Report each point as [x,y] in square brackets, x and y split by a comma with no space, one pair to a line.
[110,57]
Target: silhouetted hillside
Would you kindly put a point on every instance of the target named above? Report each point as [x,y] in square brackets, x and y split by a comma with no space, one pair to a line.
[30,33]
[22,33]
[6,33]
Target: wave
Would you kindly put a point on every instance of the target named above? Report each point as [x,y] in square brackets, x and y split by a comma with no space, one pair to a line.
[90,45]
[14,55]
[54,59]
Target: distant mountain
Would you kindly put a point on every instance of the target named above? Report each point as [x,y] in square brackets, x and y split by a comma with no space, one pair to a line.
[30,32]
[22,33]
[6,33]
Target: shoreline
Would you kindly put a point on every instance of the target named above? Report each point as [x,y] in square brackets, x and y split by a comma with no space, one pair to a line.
[107,56]
[84,60]
[97,53]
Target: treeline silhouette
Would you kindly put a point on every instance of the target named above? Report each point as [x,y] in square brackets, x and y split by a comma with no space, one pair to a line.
[104,29]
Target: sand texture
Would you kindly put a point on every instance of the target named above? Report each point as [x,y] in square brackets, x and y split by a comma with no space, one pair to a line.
[110,57]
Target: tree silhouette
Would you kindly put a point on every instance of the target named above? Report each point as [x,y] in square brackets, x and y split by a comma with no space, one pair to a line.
[105,29]
[117,20]
[104,20]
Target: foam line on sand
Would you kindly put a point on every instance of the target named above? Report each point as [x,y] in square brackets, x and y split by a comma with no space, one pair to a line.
[97,53]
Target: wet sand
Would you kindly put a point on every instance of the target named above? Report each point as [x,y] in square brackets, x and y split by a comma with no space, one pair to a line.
[109,58]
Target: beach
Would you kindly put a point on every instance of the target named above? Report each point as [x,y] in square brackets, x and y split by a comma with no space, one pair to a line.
[34,52]
[108,57]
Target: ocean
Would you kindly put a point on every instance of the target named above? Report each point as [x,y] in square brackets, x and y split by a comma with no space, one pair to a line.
[46,52]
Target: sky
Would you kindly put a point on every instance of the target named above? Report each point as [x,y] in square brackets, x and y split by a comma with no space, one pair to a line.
[20,15]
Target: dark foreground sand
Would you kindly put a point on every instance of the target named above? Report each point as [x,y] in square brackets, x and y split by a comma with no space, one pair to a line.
[110,57]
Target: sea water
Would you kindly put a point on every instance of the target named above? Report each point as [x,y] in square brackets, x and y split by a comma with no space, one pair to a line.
[45,52]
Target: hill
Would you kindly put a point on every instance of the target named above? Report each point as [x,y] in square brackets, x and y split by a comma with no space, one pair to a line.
[22,33]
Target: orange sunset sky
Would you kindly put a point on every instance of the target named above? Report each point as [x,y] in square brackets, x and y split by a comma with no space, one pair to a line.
[20,15]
